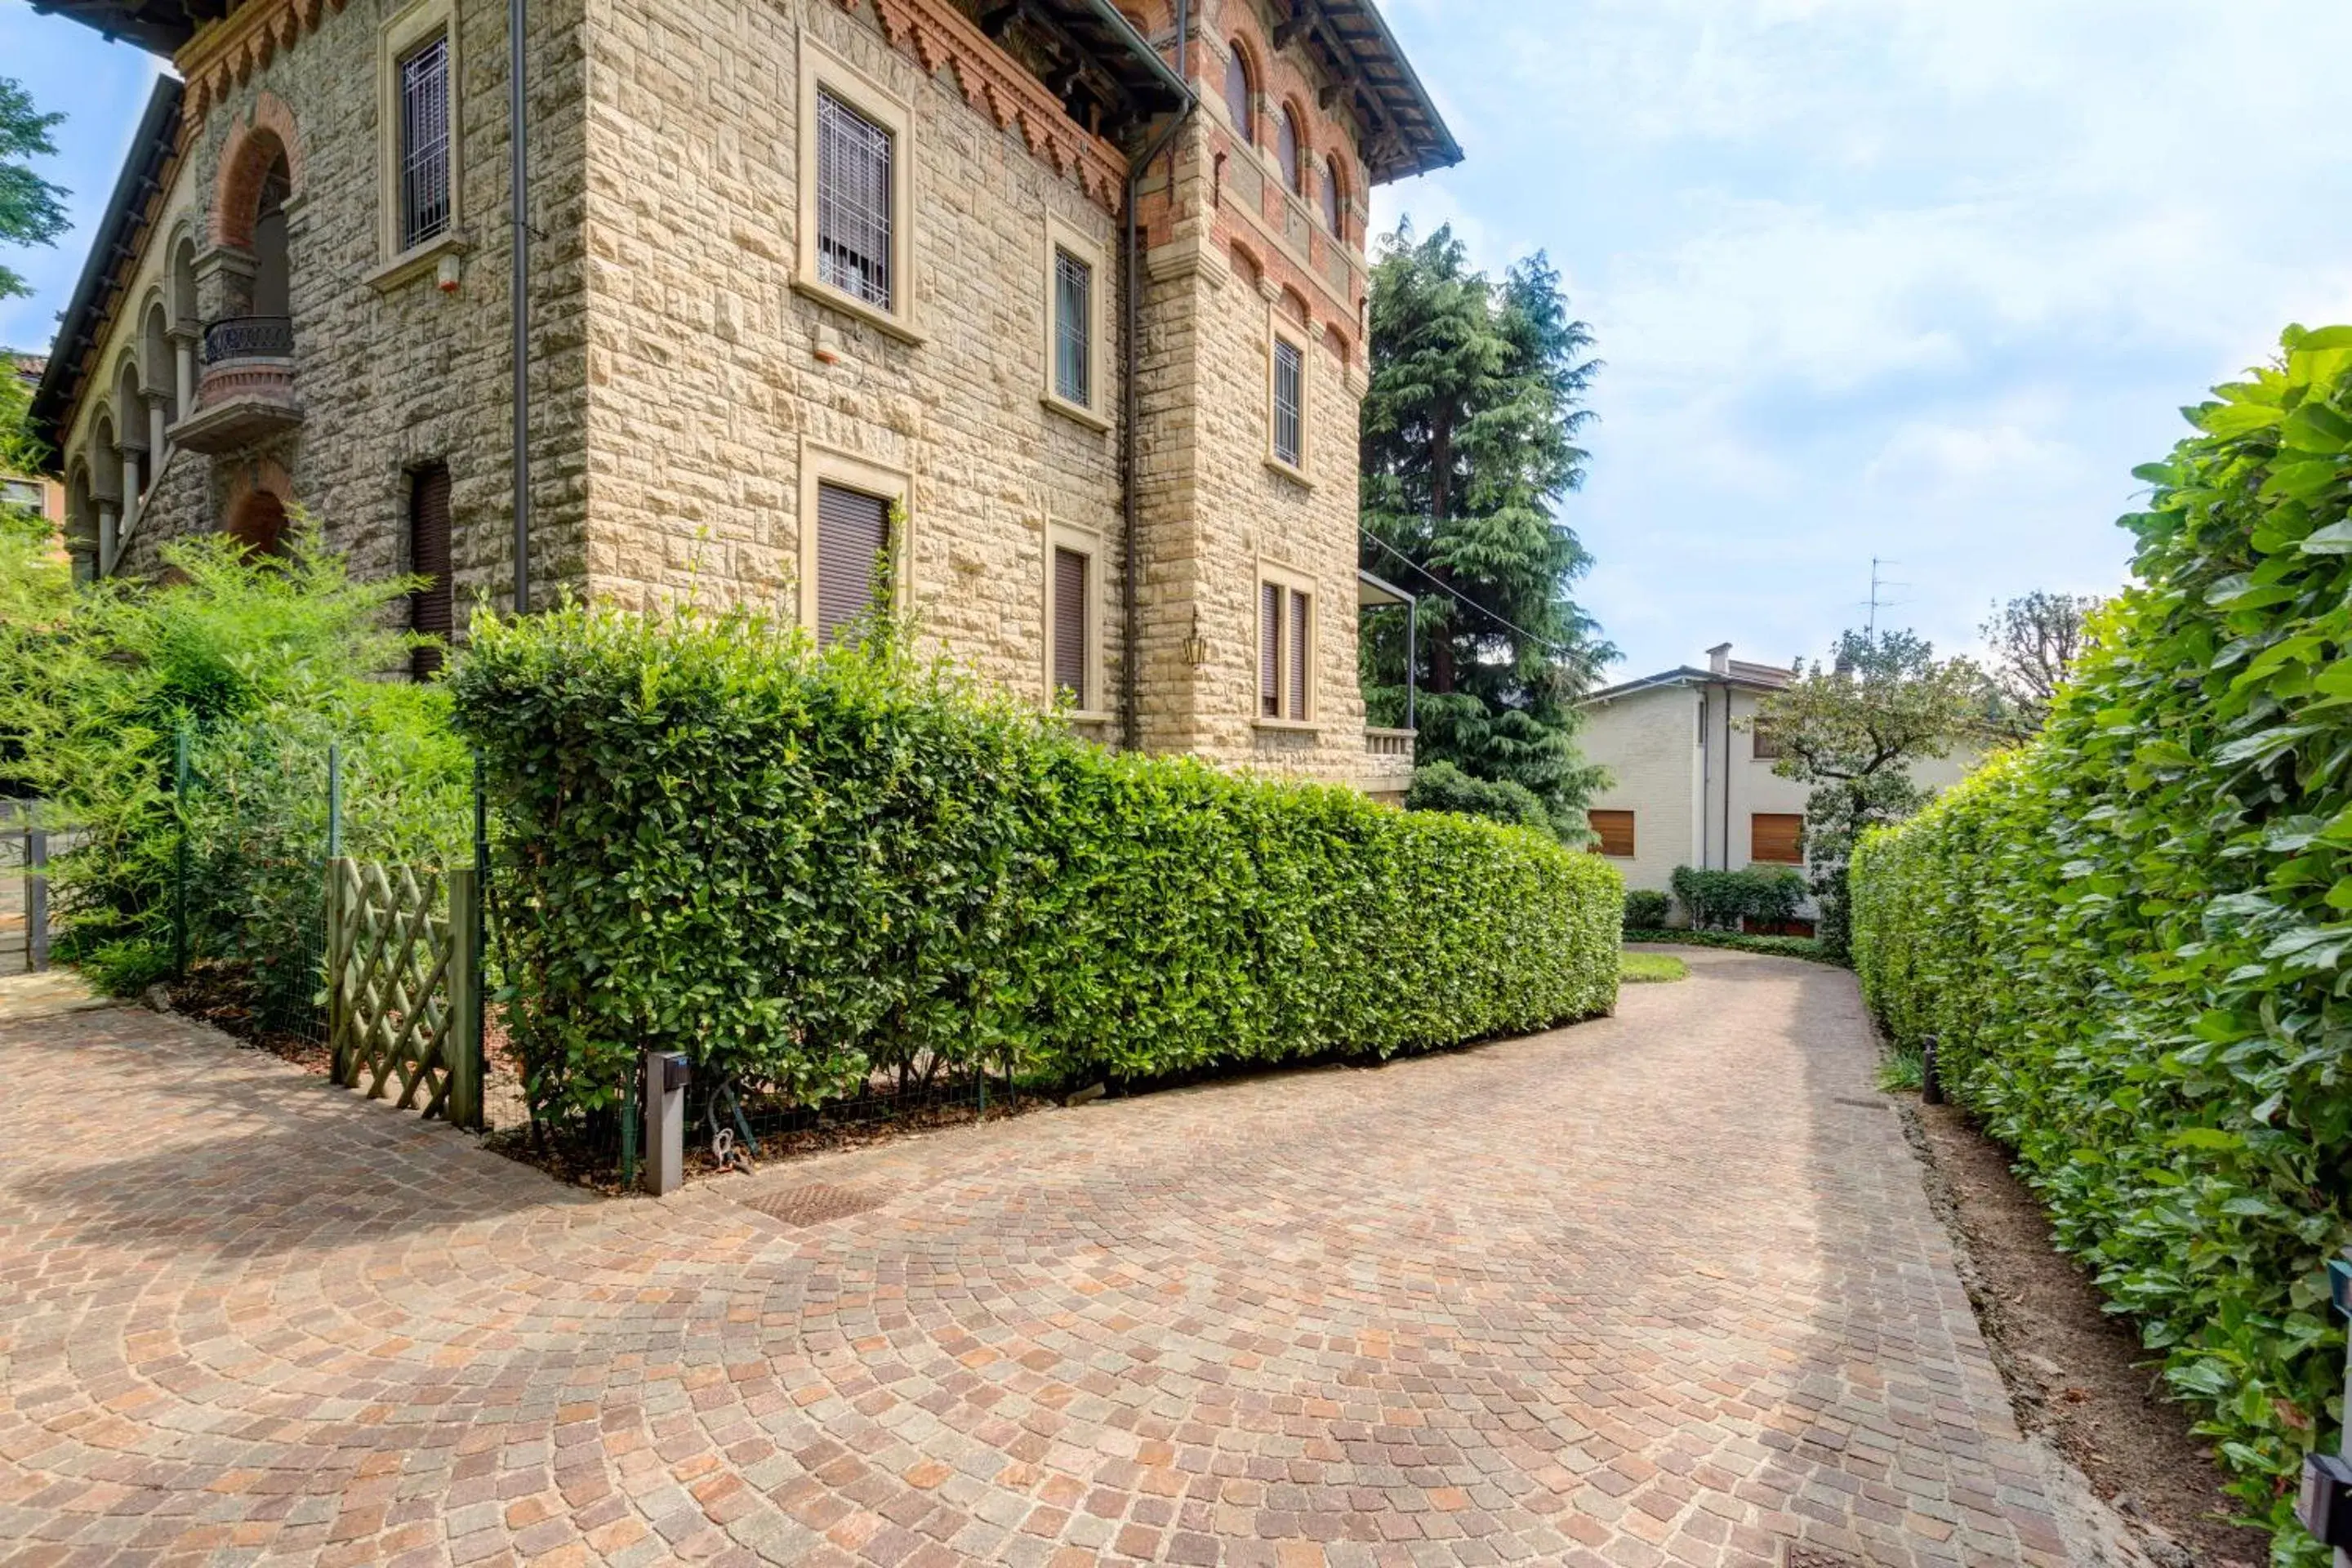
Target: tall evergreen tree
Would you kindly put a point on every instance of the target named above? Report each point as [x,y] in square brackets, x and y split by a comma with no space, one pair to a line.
[1469,447]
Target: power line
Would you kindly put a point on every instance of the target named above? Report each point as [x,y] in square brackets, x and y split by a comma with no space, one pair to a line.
[1445,588]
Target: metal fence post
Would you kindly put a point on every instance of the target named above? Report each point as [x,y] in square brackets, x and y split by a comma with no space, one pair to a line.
[180,856]
[464,1061]
[334,800]
[338,972]
[629,1130]
[37,890]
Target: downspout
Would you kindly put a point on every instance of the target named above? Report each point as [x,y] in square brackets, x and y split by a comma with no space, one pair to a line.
[1131,722]
[519,306]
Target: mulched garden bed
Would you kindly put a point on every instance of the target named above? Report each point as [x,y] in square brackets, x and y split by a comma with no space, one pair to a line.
[2077,1375]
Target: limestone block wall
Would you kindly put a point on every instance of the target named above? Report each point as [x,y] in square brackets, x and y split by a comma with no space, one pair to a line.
[710,376]
[392,377]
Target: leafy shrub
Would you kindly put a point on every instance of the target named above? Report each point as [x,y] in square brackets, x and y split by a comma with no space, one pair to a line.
[1719,900]
[1812,950]
[1441,786]
[264,660]
[803,867]
[2130,939]
[1646,909]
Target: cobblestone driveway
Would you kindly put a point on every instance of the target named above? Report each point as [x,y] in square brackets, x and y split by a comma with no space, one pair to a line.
[1662,1288]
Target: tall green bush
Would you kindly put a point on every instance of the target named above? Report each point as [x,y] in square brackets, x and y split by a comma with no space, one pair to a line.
[264,660]
[1720,901]
[801,868]
[2131,938]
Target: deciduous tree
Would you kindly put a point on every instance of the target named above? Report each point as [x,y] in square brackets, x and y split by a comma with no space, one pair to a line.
[2035,640]
[1852,727]
[32,210]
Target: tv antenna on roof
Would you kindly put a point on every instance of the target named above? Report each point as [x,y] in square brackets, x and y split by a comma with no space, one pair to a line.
[1877,585]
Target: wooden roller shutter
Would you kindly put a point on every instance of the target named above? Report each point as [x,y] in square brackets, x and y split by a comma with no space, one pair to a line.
[432,608]
[852,529]
[1269,650]
[1777,836]
[1070,623]
[1613,831]
[1298,645]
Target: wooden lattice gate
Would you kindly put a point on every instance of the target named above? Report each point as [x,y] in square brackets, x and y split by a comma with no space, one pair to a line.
[403,957]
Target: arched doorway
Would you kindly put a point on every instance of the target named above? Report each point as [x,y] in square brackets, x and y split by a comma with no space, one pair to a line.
[258,521]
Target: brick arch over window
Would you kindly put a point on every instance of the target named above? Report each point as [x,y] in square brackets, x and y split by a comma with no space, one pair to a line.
[259,497]
[244,166]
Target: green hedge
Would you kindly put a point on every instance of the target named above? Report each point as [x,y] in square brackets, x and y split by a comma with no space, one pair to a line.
[801,867]
[1719,900]
[2131,938]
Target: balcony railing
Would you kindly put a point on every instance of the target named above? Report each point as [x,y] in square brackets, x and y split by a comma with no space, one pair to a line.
[1395,743]
[246,393]
[248,337]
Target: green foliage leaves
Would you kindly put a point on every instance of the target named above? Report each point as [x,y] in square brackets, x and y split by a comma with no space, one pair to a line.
[266,660]
[32,210]
[2130,939]
[1720,901]
[1441,786]
[802,867]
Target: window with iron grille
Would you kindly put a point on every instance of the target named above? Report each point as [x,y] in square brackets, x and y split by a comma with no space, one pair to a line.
[854,157]
[1289,402]
[424,198]
[1073,335]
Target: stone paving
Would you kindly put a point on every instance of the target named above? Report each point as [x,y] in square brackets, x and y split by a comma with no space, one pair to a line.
[1658,1288]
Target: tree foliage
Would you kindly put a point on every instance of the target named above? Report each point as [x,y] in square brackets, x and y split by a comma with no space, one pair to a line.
[1469,448]
[2035,641]
[2132,938]
[1852,727]
[32,210]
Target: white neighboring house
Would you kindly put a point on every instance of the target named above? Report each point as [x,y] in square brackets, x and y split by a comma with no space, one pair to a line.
[1691,778]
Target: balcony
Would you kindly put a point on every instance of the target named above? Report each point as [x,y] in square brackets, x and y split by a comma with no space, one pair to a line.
[247,392]
[1388,762]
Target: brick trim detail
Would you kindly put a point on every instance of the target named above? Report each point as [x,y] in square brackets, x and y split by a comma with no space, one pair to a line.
[245,163]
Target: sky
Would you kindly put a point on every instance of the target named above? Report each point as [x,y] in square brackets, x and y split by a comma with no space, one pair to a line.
[1915,279]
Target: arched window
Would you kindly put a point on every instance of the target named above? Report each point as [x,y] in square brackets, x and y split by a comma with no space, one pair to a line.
[1292,151]
[1331,197]
[1237,90]
[270,291]
[258,521]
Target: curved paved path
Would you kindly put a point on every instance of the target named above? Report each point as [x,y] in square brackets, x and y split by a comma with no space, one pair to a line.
[1661,1288]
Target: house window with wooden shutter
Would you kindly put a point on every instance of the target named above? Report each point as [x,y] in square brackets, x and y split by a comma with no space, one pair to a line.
[1285,658]
[853,530]
[432,606]
[1071,571]
[1767,742]
[1613,833]
[1777,838]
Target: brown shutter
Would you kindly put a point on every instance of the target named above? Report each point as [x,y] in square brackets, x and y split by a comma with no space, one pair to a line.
[1298,654]
[1767,746]
[1777,836]
[852,531]
[1070,623]
[431,609]
[1614,832]
[1269,650]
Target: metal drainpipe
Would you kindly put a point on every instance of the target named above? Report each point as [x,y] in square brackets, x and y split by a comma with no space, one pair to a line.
[519,306]
[1130,725]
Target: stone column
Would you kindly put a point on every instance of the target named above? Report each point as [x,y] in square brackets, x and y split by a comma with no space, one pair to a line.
[158,407]
[183,364]
[106,538]
[129,476]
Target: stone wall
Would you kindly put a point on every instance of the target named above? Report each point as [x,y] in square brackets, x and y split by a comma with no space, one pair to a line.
[388,378]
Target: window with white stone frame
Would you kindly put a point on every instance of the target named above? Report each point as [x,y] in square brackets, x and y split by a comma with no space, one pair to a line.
[1077,293]
[421,153]
[1074,619]
[857,198]
[1286,411]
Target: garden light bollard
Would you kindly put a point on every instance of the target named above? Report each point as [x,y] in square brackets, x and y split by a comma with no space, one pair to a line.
[2324,1504]
[37,892]
[667,1074]
[1931,1079]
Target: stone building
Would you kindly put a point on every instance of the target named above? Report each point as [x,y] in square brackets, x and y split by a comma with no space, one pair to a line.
[1056,307]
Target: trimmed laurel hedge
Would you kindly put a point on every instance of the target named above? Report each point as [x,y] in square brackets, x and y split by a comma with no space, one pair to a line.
[800,867]
[2133,939]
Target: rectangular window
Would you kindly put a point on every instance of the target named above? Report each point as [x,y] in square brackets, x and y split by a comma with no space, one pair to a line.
[424,172]
[26,493]
[854,173]
[1074,329]
[1767,746]
[1071,655]
[853,530]
[1777,838]
[432,608]
[1286,666]
[1613,833]
[1289,402]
